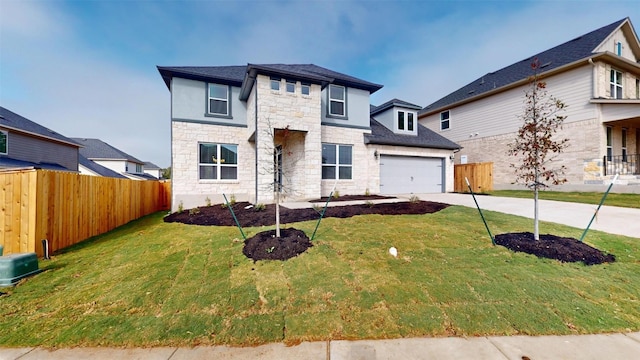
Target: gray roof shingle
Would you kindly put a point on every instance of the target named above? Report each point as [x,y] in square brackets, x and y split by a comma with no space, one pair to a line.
[98,149]
[571,51]
[391,103]
[11,120]
[235,75]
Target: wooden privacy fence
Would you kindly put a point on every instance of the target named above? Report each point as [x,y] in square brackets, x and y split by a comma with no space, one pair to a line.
[67,208]
[480,177]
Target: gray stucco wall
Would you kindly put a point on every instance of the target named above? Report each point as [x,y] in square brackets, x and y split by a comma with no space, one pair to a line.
[189,103]
[357,109]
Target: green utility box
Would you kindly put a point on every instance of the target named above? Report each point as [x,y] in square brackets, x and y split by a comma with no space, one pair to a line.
[14,267]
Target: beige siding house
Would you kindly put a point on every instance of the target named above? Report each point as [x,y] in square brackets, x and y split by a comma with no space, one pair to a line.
[597,75]
[243,131]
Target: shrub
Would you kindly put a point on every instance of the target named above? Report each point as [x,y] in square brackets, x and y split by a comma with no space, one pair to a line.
[259,207]
[414,199]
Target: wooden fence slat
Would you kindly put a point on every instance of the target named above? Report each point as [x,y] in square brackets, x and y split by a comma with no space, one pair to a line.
[67,208]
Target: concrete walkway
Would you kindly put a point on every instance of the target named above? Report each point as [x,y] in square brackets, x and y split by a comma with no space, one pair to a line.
[610,219]
[583,347]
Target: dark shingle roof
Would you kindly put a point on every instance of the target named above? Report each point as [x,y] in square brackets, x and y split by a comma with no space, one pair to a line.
[426,138]
[235,75]
[98,169]
[98,149]
[148,165]
[571,51]
[14,121]
[9,163]
[391,103]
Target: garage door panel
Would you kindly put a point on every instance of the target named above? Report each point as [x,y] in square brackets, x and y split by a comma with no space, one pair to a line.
[404,174]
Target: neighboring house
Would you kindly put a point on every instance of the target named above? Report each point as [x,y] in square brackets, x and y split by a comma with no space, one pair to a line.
[88,167]
[111,158]
[26,144]
[226,119]
[597,75]
[152,169]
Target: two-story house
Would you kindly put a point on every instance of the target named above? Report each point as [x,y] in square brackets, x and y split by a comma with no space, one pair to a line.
[27,144]
[111,161]
[233,126]
[597,75]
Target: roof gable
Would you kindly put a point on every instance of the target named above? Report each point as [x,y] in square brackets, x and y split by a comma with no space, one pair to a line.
[580,48]
[393,103]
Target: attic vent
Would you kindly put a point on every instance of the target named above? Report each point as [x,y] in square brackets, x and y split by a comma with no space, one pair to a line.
[545,65]
[472,91]
[482,81]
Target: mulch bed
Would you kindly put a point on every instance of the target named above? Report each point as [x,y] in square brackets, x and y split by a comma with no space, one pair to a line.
[293,242]
[266,246]
[554,247]
[221,216]
[352,197]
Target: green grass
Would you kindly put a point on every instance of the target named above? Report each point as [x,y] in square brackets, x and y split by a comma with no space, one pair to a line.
[613,199]
[151,283]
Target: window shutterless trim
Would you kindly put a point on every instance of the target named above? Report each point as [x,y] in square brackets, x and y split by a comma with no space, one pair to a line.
[208,98]
[343,101]
[5,136]
[447,120]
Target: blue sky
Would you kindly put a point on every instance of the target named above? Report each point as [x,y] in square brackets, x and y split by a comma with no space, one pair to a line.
[88,68]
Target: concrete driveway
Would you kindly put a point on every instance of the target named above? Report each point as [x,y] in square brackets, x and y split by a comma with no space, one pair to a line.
[610,219]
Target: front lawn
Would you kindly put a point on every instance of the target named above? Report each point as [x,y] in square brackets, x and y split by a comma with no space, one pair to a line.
[151,283]
[613,199]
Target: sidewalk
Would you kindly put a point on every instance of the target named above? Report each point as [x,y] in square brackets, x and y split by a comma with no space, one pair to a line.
[610,219]
[583,347]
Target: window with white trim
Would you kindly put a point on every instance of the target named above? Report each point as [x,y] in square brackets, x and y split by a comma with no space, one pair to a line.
[616,84]
[609,143]
[218,161]
[445,120]
[291,86]
[218,103]
[337,162]
[4,142]
[337,100]
[405,121]
[139,168]
[305,89]
[275,84]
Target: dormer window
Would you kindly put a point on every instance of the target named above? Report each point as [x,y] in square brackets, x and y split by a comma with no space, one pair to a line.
[405,121]
[618,48]
[337,100]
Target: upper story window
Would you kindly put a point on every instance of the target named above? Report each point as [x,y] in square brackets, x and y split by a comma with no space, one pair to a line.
[218,99]
[291,86]
[405,121]
[275,83]
[305,89]
[4,140]
[618,48]
[337,162]
[139,168]
[616,84]
[445,120]
[218,161]
[337,100]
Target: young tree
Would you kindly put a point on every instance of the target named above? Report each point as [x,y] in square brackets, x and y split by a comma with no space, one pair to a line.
[280,143]
[535,144]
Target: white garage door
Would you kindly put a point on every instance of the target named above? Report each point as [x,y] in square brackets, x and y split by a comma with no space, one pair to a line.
[405,175]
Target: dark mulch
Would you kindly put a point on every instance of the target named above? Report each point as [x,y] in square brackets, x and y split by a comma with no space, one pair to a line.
[221,216]
[352,197]
[554,247]
[266,246]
